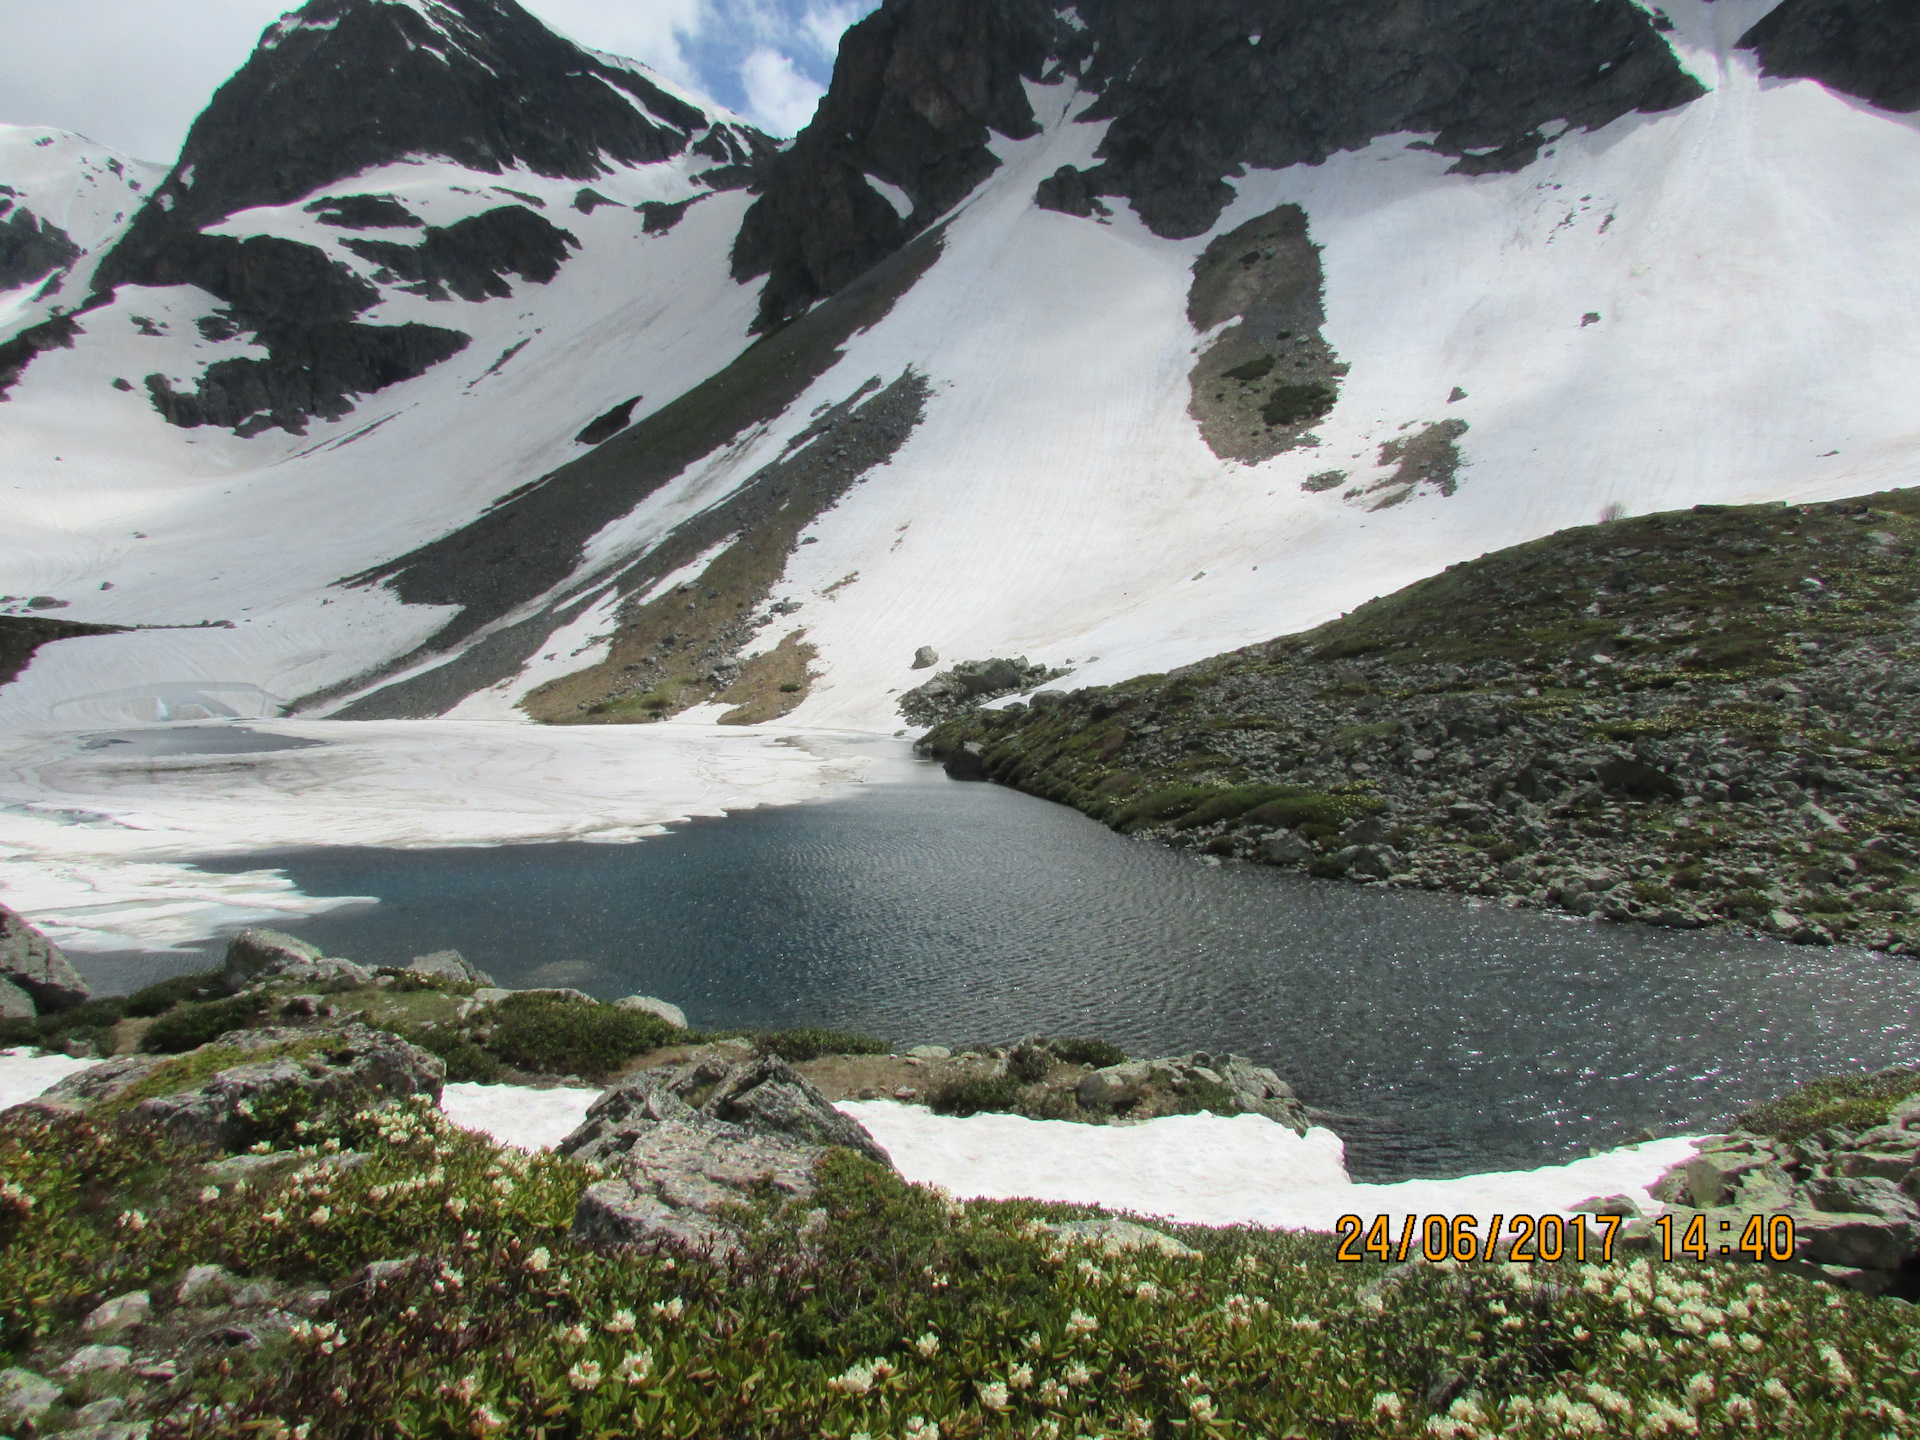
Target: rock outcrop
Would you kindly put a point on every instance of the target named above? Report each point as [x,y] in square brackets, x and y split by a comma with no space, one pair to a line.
[256,955]
[1851,1195]
[969,684]
[298,1071]
[32,965]
[686,1143]
[1233,1083]
[450,965]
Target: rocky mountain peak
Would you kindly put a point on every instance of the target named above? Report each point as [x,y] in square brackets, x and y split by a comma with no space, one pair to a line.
[338,87]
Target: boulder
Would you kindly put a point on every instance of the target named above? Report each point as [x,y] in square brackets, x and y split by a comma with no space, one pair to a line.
[1289,849]
[679,1169]
[1115,1085]
[32,963]
[15,1003]
[449,965]
[678,1179]
[1117,1237]
[122,1312]
[966,762]
[256,955]
[759,1094]
[91,1358]
[353,1064]
[667,1011]
[925,658]
[25,1396]
[206,1285]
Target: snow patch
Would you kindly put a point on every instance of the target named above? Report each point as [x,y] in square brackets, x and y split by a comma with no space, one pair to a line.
[901,202]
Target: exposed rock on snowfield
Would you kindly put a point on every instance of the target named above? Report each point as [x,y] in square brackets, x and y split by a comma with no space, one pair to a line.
[34,967]
[451,965]
[971,683]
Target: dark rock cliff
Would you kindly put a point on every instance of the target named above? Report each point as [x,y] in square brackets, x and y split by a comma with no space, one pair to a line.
[1868,48]
[339,87]
[916,90]
[30,248]
[1194,92]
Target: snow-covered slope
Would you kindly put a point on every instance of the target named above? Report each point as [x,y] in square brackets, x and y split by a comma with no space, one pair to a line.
[63,202]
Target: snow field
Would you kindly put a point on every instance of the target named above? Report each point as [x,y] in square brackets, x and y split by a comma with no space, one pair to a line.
[1191,1169]
[99,857]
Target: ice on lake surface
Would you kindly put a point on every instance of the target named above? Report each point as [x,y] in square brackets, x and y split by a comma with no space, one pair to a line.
[1440,1035]
[157,741]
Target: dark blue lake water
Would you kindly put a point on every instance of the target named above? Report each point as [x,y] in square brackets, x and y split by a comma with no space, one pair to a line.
[1449,1036]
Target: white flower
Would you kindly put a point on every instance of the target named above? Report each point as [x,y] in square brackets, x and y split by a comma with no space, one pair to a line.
[574,1335]
[539,1261]
[920,1429]
[670,1309]
[856,1381]
[209,1194]
[1020,1377]
[1388,1404]
[1751,1343]
[1081,1323]
[1139,1426]
[636,1367]
[133,1220]
[1303,1322]
[993,1396]
[1078,1374]
[1837,1370]
[1201,1408]
[321,1215]
[1146,1290]
[621,1322]
[1374,1305]
[487,1418]
[585,1375]
[1740,1408]
[928,1345]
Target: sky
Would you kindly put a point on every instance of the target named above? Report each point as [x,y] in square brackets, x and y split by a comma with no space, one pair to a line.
[132,74]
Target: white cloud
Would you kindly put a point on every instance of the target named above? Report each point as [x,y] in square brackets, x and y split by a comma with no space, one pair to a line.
[780,100]
[131,74]
[823,25]
[653,32]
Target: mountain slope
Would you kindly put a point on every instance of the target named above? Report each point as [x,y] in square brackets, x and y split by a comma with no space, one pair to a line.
[1186,328]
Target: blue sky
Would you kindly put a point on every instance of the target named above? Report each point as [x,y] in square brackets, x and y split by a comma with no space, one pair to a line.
[132,74]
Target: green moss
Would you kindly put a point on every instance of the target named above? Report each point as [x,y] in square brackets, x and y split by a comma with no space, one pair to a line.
[1853,1102]
[975,1094]
[1257,369]
[189,1025]
[556,1035]
[1097,1053]
[159,998]
[802,1043]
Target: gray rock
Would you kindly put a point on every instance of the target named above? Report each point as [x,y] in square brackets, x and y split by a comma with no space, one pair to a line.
[925,658]
[760,1095]
[90,1358]
[678,1179]
[135,1431]
[1289,849]
[15,1003]
[1368,830]
[122,1312]
[26,1396]
[1115,1084]
[490,996]
[666,1010]
[358,1064]
[449,965]
[100,1412]
[930,1052]
[1867,1241]
[253,955]
[1117,1237]
[678,1170]
[31,962]
[1624,1205]
[208,1284]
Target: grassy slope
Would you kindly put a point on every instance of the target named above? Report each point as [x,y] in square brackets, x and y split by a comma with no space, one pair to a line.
[893,1312]
[1479,684]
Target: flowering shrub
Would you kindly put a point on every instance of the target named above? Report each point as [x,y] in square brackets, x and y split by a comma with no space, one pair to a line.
[459,1306]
